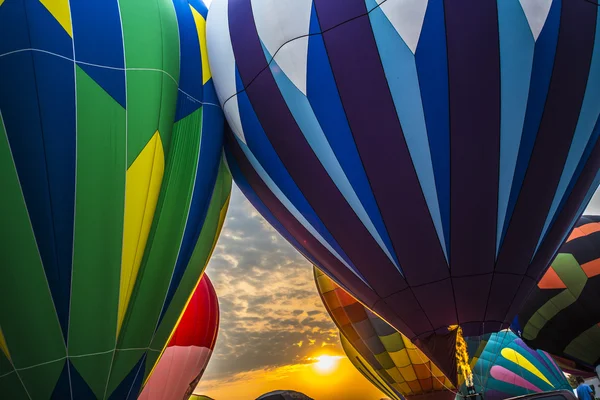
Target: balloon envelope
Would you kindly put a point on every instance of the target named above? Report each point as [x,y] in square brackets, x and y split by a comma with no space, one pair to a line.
[113,189]
[404,369]
[507,367]
[562,314]
[183,362]
[429,155]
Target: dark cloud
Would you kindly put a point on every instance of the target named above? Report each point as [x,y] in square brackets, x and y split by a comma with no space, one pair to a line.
[271,314]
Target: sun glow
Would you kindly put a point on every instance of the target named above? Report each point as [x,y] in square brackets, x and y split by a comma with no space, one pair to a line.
[325,364]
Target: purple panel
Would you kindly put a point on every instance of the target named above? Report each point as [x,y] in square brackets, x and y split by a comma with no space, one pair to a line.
[524,289]
[563,104]
[345,276]
[471,296]
[537,356]
[474,90]
[365,329]
[408,309]
[478,329]
[304,166]
[387,313]
[378,135]
[503,290]
[558,232]
[246,52]
[334,12]
[374,344]
[437,300]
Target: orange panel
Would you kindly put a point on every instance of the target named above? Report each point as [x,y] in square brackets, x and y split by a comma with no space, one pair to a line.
[426,384]
[591,268]
[551,280]
[331,300]
[577,233]
[415,386]
[422,371]
[345,298]
[340,317]
[590,228]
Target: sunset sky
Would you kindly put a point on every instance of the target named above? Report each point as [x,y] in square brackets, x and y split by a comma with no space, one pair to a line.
[273,323]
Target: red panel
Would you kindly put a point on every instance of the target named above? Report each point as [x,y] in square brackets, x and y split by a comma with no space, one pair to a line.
[200,321]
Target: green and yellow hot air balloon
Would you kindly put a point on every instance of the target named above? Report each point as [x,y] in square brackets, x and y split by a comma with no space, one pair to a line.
[113,189]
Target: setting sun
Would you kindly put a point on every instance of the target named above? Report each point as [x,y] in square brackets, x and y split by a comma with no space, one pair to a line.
[326,363]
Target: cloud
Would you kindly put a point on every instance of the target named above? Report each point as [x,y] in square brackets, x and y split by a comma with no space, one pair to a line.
[271,313]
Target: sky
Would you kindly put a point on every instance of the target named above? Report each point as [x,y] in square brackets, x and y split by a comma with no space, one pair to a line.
[273,323]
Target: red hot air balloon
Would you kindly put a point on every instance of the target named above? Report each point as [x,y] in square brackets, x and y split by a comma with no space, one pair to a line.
[430,155]
[184,360]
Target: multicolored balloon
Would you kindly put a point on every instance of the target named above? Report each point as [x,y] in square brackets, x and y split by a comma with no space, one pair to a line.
[113,189]
[431,156]
[183,362]
[507,367]
[562,314]
[398,363]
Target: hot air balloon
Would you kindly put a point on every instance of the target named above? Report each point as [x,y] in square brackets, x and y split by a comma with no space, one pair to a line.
[402,367]
[562,314]
[430,155]
[361,364]
[186,356]
[507,367]
[113,189]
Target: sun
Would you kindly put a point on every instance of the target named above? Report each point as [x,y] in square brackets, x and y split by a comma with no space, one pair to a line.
[325,363]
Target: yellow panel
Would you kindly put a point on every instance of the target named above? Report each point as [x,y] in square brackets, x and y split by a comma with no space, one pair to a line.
[395,374]
[61,12]
[144,179]
[408,373]
[325,284]
[400,358]
[201,27]
[417,357]
[404,388]
[3,345]
[521,361]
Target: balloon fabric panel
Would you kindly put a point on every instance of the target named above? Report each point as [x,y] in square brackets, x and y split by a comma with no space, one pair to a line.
[383,177]
[561,315]
[114,189]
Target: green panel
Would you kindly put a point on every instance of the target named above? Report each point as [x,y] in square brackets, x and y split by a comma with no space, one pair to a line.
[197,263]
[100,202]
[163,244]
[385,360]
[585,346]
[41,380]
[11,388]
[94,370]
[27,315]
[5,365]
[574,278]
[170,64]
[151,48]
[123,363]
[392,342]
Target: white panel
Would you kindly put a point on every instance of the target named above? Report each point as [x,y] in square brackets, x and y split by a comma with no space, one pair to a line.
[220,50]
[536,12]
[285,23]
[407,18]
[222,63]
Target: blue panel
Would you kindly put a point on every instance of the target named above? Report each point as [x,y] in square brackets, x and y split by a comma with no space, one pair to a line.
[516,59]
[129,387]
[401,74]
[206,176]
[262,149]
[584,138]
[62,390]
[543,63]
[327,108]
[190,75]
[99,41]
[39,115]
[14,30]
[46,33]
[244,186]
[432,68]
[79,388]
